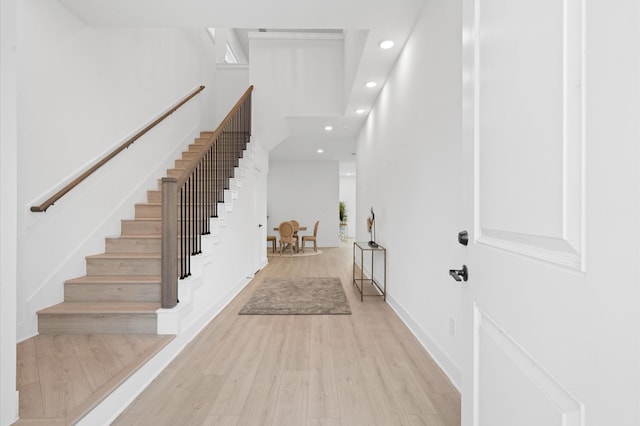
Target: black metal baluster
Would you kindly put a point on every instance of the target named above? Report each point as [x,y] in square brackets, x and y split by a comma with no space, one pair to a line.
[196,217]
[183,231]
[187,225]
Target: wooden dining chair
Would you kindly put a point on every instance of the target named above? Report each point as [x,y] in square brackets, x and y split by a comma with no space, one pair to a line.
[286,236]
[296,225]
[272,239]
[313,237]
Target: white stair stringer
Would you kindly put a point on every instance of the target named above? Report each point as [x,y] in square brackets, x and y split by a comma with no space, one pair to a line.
[216,224]
[239,172]
[222,213]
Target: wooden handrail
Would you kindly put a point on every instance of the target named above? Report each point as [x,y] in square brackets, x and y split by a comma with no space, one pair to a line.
[49,202]
[189,168]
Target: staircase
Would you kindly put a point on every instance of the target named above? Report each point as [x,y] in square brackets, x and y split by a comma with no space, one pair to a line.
[120,292]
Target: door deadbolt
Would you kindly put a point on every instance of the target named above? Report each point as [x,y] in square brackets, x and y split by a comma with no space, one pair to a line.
[463,237]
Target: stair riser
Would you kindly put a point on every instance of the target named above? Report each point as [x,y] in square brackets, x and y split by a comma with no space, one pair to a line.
[138,227]
[201,206]
[176,172]
[102,266]
[182,164]
[112,292]
[154,196]
[228,146]
[224,140]
[223,182]
[133,245]
[189,155]
[148,211]
[98,324]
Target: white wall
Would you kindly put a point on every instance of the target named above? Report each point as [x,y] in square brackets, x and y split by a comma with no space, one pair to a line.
[232,80]
[294,75]
[228,36]
[348,195]
[8,219]
[306,191]
[354,44]
[407,157]
[82,91]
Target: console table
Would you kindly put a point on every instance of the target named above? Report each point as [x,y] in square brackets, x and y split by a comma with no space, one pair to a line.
[359,282]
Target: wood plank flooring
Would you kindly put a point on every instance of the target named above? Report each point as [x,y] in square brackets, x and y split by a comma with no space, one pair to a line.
[61,377]
[360,369]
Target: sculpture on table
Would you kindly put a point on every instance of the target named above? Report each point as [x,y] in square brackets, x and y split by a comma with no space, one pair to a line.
[371,227]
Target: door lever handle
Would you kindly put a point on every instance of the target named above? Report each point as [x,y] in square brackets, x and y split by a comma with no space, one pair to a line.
[460,274]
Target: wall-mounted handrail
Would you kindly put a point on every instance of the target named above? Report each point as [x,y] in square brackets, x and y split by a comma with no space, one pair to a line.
[49,202]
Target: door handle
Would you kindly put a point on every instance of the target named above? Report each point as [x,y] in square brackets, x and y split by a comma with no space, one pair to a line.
[460,274]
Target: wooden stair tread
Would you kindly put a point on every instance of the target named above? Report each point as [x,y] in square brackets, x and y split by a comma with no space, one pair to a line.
[125,256]
[115,279]
[137,236]
[100,308]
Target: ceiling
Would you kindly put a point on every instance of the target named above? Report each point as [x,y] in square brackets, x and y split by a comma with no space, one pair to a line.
[381,20]
[243,34]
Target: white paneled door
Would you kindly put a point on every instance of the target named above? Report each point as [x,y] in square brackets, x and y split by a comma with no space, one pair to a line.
[550,105]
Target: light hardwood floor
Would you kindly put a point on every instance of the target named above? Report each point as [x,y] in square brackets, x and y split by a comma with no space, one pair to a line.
[360,369]
[61,377]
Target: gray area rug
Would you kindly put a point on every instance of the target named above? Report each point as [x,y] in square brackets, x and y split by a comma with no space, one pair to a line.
[298,296]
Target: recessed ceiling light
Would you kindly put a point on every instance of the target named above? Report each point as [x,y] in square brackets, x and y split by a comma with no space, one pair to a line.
[328,128]
[386,44]
[320,151]
[360,111]
[371,84]
[348,174]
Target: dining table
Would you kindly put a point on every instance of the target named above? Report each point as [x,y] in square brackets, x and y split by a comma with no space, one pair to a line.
[295,228]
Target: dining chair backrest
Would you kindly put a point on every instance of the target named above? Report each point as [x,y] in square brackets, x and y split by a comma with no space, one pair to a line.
[315,229]
[285,229]
[296,225]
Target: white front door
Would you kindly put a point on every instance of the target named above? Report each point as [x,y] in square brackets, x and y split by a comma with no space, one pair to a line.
[550,104]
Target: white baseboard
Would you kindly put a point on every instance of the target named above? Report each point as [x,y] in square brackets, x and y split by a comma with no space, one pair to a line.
[450,368]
